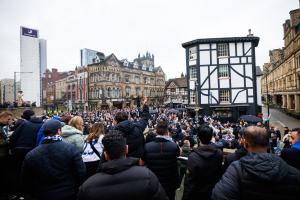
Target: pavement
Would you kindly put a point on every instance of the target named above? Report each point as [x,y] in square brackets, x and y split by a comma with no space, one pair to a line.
[279,119]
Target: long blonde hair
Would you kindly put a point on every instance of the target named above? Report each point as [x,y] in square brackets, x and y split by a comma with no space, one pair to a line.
[77,122]
[95,132]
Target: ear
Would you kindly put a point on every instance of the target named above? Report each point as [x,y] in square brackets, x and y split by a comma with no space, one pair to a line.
[246,145]
[106,156]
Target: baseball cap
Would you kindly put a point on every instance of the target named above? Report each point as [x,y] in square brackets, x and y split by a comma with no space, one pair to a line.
[52,125]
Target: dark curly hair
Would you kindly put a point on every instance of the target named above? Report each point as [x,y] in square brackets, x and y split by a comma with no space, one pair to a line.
[114,144]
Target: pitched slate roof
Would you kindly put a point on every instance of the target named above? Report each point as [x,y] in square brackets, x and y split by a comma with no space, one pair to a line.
[179,82]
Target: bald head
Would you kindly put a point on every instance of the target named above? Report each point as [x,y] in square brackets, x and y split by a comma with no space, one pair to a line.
[256,136]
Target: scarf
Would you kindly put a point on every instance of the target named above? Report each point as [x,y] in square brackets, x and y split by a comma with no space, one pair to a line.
[53,138]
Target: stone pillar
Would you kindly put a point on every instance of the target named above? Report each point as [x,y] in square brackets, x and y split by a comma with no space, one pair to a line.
[297,102]
[283,101]
[289,102]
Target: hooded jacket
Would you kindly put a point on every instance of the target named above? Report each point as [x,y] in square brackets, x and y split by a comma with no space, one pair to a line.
[73,136]
[259,176]
[133,132]
[122,179]
[204,171]
[24,137]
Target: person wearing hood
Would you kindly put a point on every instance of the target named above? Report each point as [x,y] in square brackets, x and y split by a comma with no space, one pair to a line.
[204,167]
[120,177]
[160,157]
[133,131]
[292,155]
[258,175]
[72,133]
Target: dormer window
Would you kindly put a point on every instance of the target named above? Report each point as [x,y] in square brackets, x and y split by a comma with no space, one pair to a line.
[135,65]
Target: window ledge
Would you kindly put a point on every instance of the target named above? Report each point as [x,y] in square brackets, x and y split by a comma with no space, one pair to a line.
[227,77]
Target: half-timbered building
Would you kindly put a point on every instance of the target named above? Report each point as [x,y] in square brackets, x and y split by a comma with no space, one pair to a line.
[221,75]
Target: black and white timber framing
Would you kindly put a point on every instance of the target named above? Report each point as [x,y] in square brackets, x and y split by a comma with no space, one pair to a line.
[221,75]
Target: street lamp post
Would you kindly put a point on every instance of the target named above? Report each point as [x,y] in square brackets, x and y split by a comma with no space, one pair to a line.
[15,85]
[196,100]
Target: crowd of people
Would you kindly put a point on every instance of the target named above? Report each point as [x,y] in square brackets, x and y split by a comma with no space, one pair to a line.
[137,154]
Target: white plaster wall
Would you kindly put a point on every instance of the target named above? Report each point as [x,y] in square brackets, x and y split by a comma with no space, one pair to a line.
[204,46]
[203,75]
[214,78]
[224,83]
[241,97]
[232,49]
[239,47]
[204,57]
[214,57]
[204,99]
[237,80]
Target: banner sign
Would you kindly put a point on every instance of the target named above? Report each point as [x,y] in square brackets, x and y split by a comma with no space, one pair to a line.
[29,32]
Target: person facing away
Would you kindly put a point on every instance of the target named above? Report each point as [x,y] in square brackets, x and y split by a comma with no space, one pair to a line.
[292,155]
[93,148]
[258,175]
[54,169]
[204,167]
[160,157]
[133,131]
[72,133]
[120,177]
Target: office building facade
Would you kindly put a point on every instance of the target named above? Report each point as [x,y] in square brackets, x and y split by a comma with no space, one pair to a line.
[33,56]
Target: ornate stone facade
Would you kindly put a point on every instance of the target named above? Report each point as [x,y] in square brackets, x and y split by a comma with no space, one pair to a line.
[281,79]
[120,83]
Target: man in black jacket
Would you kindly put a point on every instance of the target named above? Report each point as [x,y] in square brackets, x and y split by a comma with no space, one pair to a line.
[53,170]
[161,158]
[21,142]
[258,175]
[120,177]
[292,155]
[204,167]
[133,131]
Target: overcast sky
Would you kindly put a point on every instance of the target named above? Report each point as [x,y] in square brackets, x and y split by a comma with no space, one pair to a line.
[127,27]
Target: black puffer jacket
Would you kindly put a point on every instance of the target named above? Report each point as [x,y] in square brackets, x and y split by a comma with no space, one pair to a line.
[24,137]
[161,158]
[122,179]
[133,132]
[259,176]
[204,171]
[53,170]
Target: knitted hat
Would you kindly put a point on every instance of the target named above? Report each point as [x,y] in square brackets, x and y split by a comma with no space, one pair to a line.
[27,114]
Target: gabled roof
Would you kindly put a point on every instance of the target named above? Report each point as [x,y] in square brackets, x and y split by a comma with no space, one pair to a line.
[255,40]
[179,82]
